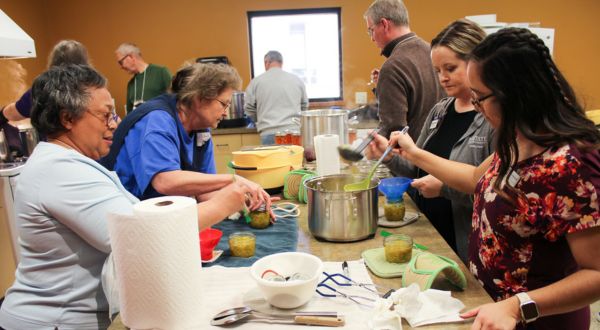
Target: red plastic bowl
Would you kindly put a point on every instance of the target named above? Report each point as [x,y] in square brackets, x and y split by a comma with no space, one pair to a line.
[209,238]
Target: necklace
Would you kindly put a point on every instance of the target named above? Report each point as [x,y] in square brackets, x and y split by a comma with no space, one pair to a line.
[60,142]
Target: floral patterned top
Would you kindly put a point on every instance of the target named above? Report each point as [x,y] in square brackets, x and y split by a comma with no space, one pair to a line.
[522,246]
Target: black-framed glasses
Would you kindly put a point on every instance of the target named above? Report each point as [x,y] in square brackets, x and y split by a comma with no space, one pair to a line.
[123,59]
[106,117]
[371,28]
[476,101]
[225,105]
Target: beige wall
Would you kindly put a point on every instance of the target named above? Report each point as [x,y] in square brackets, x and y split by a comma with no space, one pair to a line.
[170,32]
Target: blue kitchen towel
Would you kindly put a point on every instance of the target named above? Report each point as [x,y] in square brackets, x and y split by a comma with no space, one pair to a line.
[279,237]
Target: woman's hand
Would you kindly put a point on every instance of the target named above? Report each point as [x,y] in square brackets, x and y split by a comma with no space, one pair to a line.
[374,76]
[376,148]
[429,186]
[404,142]
[256,194]
[271,200]
[231,197]
[503,315]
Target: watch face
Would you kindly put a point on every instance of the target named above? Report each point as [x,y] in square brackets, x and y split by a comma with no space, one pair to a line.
[529,310]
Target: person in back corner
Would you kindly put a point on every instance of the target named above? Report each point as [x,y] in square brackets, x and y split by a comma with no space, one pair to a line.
[62,199]
[148,81]
[535,238]
[274,98]
[452,130]
[407,87]
[63,53]
[164,146]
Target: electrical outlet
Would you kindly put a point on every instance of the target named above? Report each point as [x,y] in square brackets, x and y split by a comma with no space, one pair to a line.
[360,97]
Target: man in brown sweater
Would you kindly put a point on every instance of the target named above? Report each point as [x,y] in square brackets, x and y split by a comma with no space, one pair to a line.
[407,86]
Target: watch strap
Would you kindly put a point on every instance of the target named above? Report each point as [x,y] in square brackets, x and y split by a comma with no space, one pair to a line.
[528,308]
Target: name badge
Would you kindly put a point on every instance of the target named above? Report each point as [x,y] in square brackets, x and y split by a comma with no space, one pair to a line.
[201,138]
[433,124]
[513,179]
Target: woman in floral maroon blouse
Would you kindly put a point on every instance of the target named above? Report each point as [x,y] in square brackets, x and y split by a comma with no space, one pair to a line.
[536,214]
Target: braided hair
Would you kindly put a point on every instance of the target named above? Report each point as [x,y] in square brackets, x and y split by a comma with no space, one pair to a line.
[533,95]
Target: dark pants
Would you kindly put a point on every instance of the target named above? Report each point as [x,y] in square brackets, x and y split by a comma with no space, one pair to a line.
[439,212]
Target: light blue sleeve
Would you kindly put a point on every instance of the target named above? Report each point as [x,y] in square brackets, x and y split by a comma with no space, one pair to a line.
[79,196]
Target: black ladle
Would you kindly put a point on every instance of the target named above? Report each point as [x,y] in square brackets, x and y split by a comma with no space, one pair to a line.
[354,155]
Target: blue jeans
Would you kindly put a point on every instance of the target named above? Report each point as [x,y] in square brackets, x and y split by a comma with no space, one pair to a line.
[267,139]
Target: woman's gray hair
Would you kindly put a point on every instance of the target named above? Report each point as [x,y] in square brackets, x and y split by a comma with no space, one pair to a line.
[128,48]
[68,52]
[62,89]
[204,81]
[393,10]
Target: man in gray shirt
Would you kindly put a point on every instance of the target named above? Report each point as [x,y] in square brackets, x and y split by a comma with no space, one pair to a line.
[273,98]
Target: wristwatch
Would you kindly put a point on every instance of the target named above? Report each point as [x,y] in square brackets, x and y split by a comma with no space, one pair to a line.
[529,310]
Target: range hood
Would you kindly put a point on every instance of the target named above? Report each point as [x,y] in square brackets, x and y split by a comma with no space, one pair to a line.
[14,42]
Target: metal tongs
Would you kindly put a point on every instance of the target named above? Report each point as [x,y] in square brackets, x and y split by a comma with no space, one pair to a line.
[354,155]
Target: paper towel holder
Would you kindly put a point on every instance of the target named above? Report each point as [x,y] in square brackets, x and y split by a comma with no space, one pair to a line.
[164,203]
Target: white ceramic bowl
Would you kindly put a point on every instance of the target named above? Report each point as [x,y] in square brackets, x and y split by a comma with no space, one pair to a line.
[289,294]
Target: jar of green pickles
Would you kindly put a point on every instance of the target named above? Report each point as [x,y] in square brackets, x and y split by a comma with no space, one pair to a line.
[398,248]
[260,218]
[242,244]
[394,210]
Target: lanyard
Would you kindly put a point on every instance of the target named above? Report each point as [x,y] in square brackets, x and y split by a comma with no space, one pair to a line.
[135,88]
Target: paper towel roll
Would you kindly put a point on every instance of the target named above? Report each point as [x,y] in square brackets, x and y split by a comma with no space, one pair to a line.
[328,160]
[157,261]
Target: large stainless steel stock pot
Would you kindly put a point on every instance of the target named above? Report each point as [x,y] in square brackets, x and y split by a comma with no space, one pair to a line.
[318,122]
[340,216]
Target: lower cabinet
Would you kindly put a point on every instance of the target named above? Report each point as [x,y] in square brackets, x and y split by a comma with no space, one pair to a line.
[7,262]
[225,144]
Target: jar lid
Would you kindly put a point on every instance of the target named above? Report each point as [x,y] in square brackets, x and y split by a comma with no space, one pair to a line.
[242,234]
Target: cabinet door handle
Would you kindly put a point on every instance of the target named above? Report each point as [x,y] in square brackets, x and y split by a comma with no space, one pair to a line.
[222,145]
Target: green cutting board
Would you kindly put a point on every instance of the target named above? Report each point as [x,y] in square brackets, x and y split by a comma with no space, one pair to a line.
[375,260]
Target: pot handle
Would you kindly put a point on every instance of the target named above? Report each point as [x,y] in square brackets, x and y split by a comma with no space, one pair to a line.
[235,167]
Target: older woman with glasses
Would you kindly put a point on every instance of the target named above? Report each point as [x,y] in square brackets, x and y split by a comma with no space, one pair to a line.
[164,146]
[535,238]
[452,130]
[62,197]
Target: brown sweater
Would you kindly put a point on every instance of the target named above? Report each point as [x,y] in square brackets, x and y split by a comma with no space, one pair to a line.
[407,88]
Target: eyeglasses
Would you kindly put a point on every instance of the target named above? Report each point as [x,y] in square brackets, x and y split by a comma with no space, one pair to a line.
[123,59]
[225,105]
[371,28]
[476,101]
[106,117]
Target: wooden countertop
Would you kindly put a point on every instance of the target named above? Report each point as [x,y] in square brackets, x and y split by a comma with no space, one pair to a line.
[421,231]
[235,130]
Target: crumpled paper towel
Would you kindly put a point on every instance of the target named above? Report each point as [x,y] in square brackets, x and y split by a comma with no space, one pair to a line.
[418,308]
